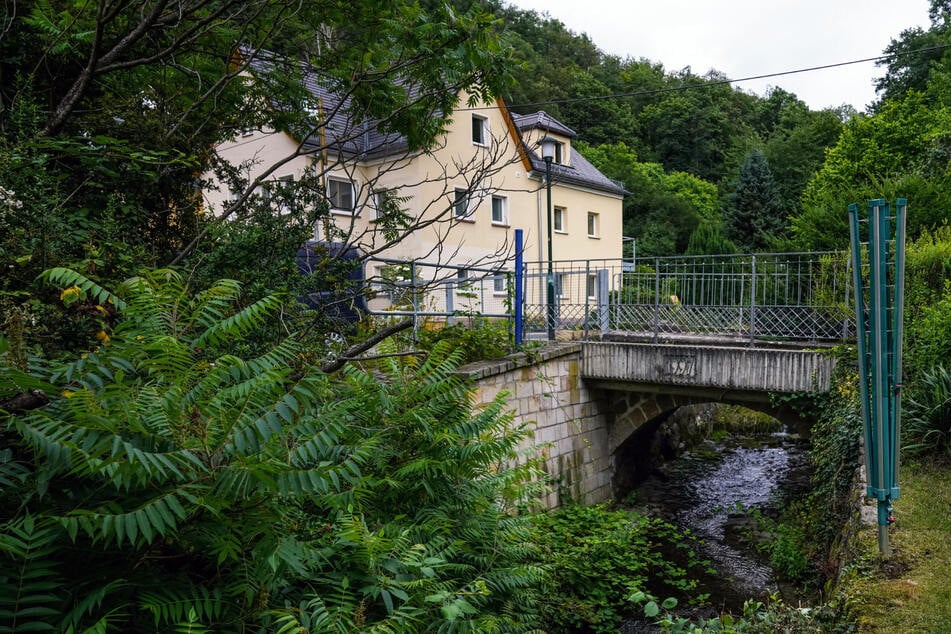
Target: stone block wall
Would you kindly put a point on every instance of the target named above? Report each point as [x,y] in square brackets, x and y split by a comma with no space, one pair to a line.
[569,421]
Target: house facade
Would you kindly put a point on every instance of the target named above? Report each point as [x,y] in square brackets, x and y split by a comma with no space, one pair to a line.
[463,198]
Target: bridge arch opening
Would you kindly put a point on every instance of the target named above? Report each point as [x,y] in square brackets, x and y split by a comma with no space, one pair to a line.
[677,427]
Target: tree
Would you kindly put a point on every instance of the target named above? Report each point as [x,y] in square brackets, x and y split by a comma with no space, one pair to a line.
[915,54]
[754,216]
[797,148]
[663,208]
[899,151]
[708,239]
[702,129]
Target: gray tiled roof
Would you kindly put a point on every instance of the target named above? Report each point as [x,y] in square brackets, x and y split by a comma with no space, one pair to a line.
[364,139]
[543,121]
[578,171]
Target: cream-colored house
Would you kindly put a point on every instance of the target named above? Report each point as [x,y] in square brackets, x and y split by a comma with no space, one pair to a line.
[459,202]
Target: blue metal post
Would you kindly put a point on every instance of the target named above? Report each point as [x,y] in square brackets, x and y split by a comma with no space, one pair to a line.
[519,286]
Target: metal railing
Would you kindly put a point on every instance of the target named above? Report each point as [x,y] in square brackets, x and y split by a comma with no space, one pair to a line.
[431,292]
[762,297]
[802,297]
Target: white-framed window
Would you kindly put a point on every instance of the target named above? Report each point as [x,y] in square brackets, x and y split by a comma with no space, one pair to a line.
[462,281]
[340,195]
[558,219]
[461,204]
[592,287]
[480,130]
[499,284]
[593,224]
[559,152]
[500,210]
[561,285]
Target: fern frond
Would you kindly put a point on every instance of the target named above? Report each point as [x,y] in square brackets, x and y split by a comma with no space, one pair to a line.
[208,307]
[239,324]
[187,605]
[30,584]
[156,517]
[65,278]
[12,472]
[87,605]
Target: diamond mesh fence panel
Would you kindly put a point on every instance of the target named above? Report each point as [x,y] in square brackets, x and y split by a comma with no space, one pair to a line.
[785,296]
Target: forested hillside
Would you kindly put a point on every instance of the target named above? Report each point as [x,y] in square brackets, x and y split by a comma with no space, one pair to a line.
[768,172]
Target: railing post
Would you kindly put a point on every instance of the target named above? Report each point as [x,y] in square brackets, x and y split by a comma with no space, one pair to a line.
[412,282]
[587,307]
[604,298]
[450,308]
[656,298]
[753,301]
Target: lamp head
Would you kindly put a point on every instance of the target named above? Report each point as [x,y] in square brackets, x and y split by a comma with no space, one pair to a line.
[547,145]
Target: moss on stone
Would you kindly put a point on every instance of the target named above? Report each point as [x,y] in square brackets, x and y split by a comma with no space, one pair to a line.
[735,419]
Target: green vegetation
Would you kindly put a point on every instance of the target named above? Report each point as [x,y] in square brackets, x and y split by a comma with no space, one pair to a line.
[735,419]
[475,339]
[910,592]
[753,213]
[599,557]
[169,484]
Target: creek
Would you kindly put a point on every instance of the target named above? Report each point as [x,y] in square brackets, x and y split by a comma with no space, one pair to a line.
[711,491]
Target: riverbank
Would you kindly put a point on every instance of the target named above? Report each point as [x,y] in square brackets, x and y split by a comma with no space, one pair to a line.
[910,593]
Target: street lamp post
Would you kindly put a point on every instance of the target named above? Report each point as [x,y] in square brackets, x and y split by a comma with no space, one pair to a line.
[548,144]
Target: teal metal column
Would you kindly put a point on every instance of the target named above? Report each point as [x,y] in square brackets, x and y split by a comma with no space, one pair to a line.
[879,339]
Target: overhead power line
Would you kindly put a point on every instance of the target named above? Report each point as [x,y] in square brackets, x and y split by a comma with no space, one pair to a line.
[717,82]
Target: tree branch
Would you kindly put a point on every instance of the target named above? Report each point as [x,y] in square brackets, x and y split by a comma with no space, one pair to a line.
[363,346]
[24,402]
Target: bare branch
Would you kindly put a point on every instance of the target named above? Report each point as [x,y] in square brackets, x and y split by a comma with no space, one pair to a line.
[363,346]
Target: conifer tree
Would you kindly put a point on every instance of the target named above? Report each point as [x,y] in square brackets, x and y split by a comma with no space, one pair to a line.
[754,216]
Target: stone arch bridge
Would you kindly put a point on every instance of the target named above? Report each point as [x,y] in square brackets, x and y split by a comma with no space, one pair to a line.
[586,399]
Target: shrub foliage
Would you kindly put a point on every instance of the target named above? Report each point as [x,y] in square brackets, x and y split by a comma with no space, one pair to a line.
[169,485]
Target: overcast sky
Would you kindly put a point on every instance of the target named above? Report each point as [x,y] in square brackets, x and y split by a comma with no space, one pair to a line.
[744,38]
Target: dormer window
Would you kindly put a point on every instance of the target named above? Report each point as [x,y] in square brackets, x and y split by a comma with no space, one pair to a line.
[551,149]
[480,130]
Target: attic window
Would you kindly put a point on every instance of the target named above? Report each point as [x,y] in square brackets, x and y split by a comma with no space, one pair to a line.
[559,153]
[480,130]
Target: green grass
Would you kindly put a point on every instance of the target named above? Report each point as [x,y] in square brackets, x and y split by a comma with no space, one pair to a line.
[911,593]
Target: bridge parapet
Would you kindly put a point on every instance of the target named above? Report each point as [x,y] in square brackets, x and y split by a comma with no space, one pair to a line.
[672,368]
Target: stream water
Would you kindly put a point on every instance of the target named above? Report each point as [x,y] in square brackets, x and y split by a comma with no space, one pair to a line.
[710,491]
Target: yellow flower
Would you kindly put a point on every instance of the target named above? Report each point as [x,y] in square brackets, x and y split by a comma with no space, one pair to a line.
[103,336]
[71,295]
[67,393]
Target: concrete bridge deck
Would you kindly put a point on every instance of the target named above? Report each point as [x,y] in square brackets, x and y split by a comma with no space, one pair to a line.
[749,373]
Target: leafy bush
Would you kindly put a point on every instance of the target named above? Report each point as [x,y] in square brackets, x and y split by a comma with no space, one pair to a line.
[478,340]
[169,485]
[927,426]
[599,557]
